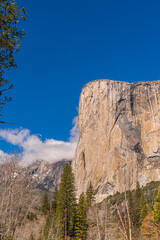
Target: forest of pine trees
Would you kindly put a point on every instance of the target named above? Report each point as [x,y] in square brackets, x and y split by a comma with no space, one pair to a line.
[67,218]
[132,215]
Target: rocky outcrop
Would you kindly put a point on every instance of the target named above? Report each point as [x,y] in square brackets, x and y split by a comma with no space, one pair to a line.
[119,136]
[46,176]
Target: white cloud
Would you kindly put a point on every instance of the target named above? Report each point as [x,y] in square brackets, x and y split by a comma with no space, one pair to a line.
[33,148]
[50,150]
[74,131]
[3,156]
[14,136]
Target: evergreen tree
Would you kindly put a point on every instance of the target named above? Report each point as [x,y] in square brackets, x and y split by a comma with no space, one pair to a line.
[139,204]
[66,204]
[48,226]
[54,201]
[131,205]
[10,37]
[143,213]
[45,207]
[90,195]
[81,218]
[156,208]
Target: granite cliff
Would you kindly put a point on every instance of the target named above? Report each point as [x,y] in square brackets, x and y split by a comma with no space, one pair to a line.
[119,136]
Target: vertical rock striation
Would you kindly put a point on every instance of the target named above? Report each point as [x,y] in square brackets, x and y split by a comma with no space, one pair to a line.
[119,136]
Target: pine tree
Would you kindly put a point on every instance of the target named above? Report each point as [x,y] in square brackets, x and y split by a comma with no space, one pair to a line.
[81,218]
[156,208]
[48,226]
[131,206]
[66,204]
[139,203]
[54,199]
[45,204]
[90,195]
[143,213]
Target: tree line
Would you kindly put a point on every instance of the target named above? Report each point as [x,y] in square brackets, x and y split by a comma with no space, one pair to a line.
[67,219]
[121,218]
[131,215]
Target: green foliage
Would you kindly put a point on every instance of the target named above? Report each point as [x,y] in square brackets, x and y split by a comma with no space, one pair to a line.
[81,218]
[90,195]
[54,199]
[139,204]
[45,207]
[116,198]
[31,216]
[131,205]
[152,185]
[144,212]
[31,237]
[10,37]
[150,191]
[48,225]
[156,208]
[66,203]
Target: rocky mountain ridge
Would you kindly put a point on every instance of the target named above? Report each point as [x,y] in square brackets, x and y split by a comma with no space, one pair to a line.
[46,175]
[40,174]
[119,136]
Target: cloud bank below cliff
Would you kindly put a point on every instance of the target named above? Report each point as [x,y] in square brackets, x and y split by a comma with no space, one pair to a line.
[33,148]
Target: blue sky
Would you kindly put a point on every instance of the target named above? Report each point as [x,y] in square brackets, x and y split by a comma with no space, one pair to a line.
[69,43]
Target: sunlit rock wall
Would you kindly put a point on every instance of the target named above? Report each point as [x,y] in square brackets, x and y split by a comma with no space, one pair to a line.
[119,136]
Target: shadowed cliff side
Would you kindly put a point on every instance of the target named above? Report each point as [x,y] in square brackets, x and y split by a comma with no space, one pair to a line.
[119,136]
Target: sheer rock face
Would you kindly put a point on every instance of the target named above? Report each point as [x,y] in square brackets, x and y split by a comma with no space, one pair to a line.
[119,136]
